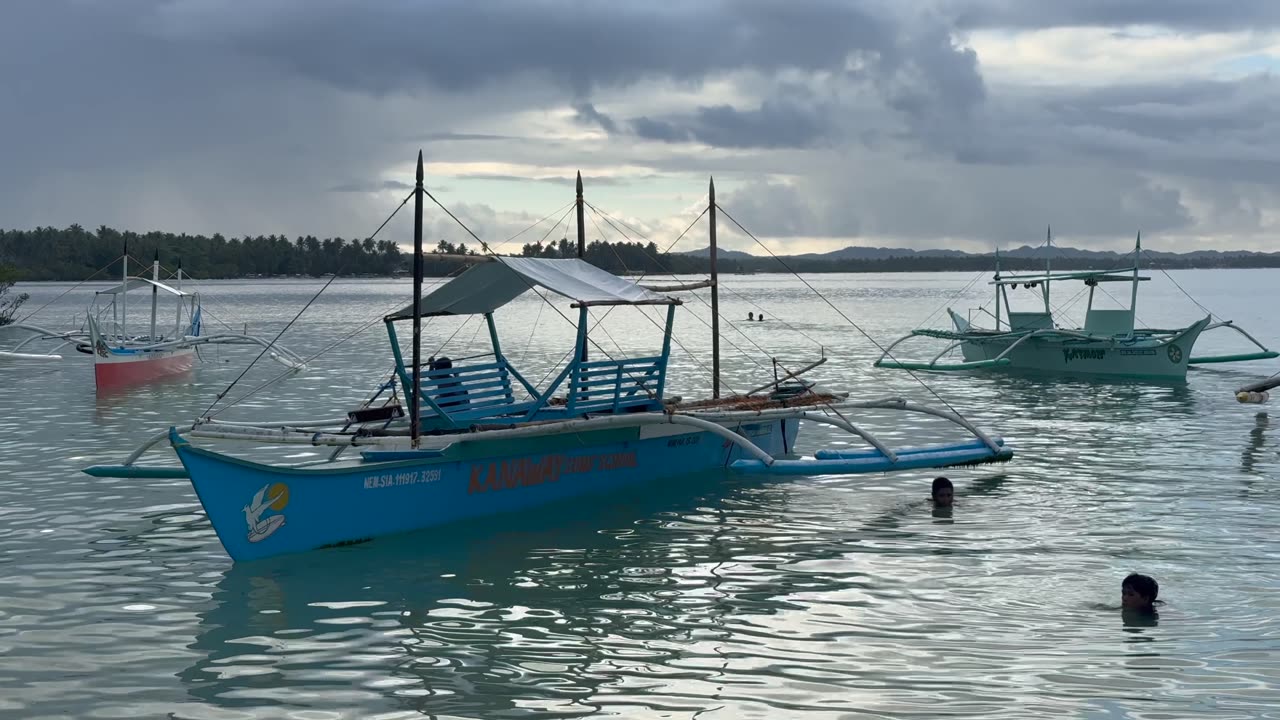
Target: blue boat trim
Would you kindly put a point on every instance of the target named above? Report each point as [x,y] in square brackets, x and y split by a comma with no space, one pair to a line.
[393,455]
[872,462]
[141,472]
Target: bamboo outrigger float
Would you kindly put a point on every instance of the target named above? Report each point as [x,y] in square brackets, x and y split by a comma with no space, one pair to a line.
[469,447]
[1108,344]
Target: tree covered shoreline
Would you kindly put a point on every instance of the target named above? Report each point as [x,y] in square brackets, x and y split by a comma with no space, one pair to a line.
[74,253]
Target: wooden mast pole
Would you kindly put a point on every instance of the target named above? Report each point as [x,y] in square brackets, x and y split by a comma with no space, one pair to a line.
[715,296]
[155,292]
[582,243]
[415,421]
[582,228]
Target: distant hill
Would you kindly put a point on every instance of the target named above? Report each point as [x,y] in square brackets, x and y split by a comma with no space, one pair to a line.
[720,253]
[1025,252]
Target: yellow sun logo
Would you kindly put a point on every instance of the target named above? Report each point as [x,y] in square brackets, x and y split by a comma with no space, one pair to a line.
[280,492]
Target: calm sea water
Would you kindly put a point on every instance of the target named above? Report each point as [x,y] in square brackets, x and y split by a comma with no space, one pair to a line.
[712,597]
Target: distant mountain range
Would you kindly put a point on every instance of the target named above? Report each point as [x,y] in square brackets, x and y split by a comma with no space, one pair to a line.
[1026,252]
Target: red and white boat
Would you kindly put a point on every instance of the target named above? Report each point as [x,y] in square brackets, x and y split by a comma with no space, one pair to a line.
[122,359]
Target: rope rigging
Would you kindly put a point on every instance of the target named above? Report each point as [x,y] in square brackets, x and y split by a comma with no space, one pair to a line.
[285,329]
[832,305]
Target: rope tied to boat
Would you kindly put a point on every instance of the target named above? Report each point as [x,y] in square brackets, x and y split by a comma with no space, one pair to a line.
[832,305]
[271,344]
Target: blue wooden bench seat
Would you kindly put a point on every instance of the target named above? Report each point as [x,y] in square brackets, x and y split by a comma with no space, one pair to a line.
[614,385]
[471,392]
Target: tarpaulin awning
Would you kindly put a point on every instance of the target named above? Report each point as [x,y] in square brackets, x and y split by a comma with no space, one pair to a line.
[489,285]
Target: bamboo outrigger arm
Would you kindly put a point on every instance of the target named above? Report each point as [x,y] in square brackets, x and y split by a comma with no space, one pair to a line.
[390,446]
[959,339]
[1264,353]
[887,403]
[37,334]
[679,288]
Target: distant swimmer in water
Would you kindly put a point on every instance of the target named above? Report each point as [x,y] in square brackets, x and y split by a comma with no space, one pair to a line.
[761,318]
[1139,592]
[751,316]
[943,493]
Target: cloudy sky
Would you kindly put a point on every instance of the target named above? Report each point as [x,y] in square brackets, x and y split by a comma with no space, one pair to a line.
[930,123]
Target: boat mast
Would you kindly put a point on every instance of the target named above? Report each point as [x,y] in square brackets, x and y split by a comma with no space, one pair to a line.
[1048,254]
[1133,297]
[715,295]
[582,242]
[155,292]
[177,316]
[414,420]
[124,292]
[998,287]
[582,229]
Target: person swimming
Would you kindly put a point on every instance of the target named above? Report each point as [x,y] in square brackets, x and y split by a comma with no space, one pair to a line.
[751,316]
[1139,592]
[943,493]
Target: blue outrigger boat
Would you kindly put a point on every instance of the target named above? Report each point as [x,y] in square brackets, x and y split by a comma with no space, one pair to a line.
[480,439]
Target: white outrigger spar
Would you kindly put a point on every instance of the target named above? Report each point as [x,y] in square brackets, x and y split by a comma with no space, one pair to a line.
[1108,344]
[123,355]
[480,439]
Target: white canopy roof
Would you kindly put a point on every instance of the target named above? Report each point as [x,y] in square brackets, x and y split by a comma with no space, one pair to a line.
[490,285]
[135,283]
[1118,275]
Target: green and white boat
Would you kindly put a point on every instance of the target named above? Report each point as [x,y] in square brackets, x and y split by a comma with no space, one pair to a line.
[1033,340]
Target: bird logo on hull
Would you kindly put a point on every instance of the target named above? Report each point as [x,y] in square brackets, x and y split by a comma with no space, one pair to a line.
[270,497]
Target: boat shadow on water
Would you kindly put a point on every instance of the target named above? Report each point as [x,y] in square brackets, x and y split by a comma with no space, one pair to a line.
[481,617]
[539,610]
[1074,397]
[1254,453]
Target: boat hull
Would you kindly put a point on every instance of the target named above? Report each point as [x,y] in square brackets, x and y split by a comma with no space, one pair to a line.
[261,510]
[1145,357]
[118,370]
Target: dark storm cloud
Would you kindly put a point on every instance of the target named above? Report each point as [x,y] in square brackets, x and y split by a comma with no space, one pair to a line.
[370,186]
[586,114]
[773,125]
[661,130]
[1222,130]
[463,137]
[285,115]
[458,45]
[1194,15]
[462,46]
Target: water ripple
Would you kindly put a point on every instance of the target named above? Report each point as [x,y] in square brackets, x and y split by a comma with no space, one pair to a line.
[705,597]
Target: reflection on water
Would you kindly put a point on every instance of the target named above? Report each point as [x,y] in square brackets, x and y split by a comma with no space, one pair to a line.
[1139,619]
[708,597]
[1257,438]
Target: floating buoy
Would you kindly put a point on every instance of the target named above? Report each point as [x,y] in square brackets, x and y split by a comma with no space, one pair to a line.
[1248,396]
